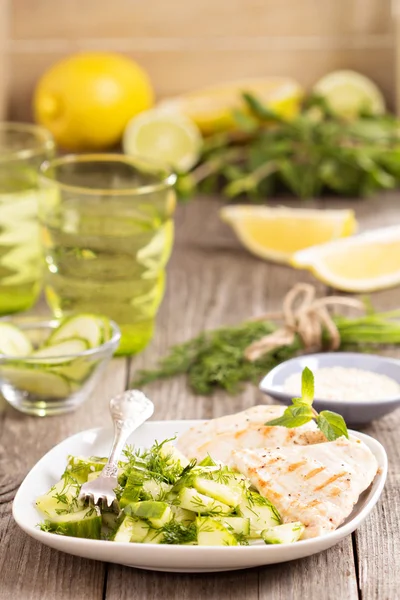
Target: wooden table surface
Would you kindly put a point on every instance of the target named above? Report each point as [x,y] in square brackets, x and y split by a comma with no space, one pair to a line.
[211,281]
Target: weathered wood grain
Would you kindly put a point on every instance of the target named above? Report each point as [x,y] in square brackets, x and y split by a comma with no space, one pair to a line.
[212,281]
[132,584]
[377,542]
[30,571]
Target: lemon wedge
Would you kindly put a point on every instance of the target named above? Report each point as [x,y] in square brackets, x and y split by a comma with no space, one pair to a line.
[364,263]
[349,93]
[172,139]
[211,108]
[277,233]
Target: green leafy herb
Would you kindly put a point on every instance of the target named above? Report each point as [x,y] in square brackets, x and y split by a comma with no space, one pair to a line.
[315,152]
[331,424]
[307,388]
[294,416]
[301,412]
[215,360]
[178,533]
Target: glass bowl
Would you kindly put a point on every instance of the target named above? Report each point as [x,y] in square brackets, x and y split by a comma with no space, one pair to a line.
[52,385]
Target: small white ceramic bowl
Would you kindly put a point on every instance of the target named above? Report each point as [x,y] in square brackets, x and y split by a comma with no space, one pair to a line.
[354,412]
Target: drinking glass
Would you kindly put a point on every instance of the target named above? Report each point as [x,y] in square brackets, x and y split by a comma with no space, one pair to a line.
[23,148]
[107,233]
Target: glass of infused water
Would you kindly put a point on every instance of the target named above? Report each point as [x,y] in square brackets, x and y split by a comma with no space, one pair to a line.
[23,147]
[107,232]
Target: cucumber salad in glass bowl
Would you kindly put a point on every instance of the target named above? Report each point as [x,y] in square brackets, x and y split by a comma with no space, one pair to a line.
[50,367]
[162,498]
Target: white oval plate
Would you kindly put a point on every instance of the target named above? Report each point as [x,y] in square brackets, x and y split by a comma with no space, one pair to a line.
[163,557]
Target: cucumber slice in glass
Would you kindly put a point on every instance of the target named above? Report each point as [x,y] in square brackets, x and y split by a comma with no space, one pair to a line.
[76,371]
[13,341]
[56,353]
[36,382]
[86,326]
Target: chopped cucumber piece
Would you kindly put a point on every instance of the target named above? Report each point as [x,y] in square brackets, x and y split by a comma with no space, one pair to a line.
[155,490]
[173,455]
[212,533]
[83,524]
[110,520]
[182,515]
[260,511]
[13,342]
[238,525]
[283,534]
[36,382]
[140,530]
[86,326]
[228,494]
[80,467]
[157,513]
[133,487]
[131,530]
[55,354]
[207,462]
[60,498]
[193,500]
[154,537]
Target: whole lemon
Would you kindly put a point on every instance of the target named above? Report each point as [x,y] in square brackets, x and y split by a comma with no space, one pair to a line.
[87,99]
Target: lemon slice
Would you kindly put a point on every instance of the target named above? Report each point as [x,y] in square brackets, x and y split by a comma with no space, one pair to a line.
[348,94]
[277,233]
[166,137]
[363,263]
[211,107]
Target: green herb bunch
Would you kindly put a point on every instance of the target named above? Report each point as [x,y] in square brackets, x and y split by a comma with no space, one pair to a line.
[317,152]
[215,360]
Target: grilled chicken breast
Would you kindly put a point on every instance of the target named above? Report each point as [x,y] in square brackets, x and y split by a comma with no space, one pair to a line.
[247,429]
[316,484]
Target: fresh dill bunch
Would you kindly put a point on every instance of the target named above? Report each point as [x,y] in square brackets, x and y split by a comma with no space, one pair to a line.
[216,359]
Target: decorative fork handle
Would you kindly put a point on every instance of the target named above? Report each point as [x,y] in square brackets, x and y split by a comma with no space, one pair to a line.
[128,411]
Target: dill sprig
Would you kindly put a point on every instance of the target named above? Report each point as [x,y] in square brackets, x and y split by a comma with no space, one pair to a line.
[178,533]
[215,360]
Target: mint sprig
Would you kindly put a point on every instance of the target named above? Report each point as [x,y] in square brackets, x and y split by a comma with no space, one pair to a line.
[301,412]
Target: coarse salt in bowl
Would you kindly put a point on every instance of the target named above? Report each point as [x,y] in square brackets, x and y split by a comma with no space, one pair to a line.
[360,387]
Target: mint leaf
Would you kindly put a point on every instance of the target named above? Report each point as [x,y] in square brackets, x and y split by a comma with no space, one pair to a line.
[332,425]
[307,386]
[294,416]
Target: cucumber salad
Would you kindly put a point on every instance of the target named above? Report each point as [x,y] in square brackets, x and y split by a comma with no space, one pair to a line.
[52,361]
[165,499]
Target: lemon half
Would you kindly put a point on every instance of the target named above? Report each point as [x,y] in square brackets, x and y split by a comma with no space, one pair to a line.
[172,139]
[277,233]
[364,263]
[211,108]
[349,93]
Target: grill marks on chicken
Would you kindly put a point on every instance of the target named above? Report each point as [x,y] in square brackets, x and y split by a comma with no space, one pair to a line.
[317,484]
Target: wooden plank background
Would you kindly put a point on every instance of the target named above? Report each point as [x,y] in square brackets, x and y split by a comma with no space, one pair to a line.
[185,44]
[212,281]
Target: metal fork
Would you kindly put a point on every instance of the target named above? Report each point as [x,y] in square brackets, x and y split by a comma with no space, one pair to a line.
[128,411]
